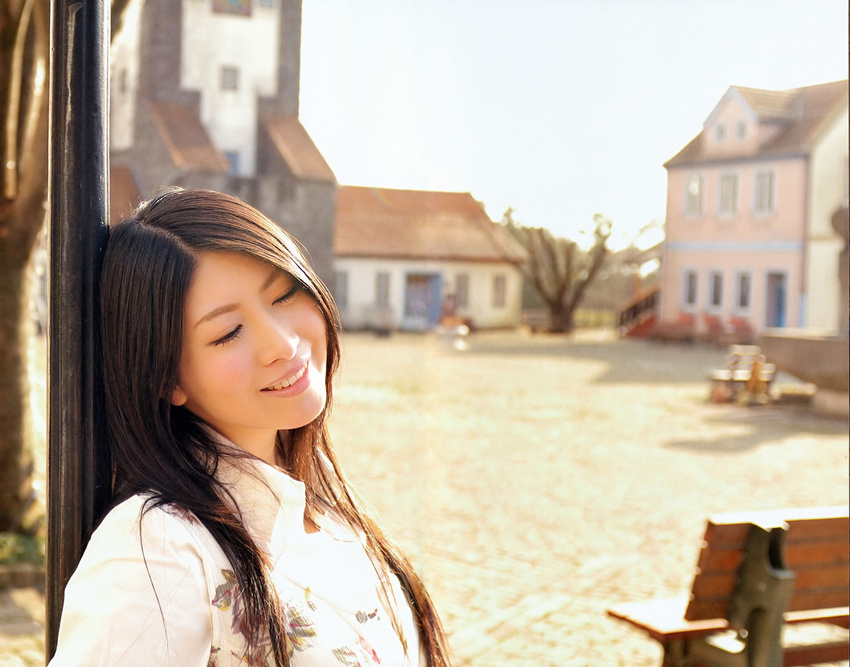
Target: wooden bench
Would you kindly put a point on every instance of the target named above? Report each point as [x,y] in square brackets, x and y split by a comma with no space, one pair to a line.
[746,377]
[758,574]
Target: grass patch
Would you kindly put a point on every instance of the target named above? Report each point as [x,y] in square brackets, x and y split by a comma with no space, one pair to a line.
[18,549]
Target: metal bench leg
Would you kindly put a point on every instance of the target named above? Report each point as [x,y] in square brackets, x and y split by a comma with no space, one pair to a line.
[674,654]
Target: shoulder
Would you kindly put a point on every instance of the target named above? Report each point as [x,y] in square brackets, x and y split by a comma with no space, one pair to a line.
[141,581]
[137,521]
[138,535]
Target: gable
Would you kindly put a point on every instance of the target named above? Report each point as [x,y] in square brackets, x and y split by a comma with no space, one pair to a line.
[751,122]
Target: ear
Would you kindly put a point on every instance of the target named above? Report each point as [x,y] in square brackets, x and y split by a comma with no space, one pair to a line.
[178,397]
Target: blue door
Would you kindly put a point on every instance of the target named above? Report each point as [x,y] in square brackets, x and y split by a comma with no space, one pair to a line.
[776,300]
[421,301]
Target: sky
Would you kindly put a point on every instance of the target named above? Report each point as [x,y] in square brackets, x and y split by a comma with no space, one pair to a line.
[559,109]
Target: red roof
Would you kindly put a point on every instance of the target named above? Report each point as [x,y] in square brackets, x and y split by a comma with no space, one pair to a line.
[416,224]
[801,113]
[124,195]
[297,149]
[187,141]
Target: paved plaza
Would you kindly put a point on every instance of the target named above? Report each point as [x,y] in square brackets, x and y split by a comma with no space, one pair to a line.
[535,481]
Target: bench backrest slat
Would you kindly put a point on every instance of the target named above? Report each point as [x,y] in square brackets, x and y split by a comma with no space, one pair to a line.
[817,550]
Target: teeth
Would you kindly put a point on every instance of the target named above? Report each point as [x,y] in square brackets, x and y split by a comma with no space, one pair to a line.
[288,381]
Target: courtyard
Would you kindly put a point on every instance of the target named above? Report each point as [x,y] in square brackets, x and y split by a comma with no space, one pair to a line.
[537,480]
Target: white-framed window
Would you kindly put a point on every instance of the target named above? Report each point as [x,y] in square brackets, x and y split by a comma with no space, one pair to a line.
[728,194]
[462,290]
[382,289]
[340,289]
[229,77]
[720,133]
[765,192]
[689,290]
[743,292]
[693,206]
[715,291]
[741,130]
[500,291]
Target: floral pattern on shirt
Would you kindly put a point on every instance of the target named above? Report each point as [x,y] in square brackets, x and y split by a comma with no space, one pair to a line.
[228,599]
[299,629]
[361,655]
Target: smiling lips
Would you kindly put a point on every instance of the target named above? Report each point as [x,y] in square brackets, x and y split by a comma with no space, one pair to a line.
[283,384]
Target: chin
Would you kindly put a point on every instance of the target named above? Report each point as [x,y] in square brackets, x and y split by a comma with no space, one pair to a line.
[306,413]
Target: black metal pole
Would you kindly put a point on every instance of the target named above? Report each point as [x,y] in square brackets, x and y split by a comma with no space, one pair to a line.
[79,204]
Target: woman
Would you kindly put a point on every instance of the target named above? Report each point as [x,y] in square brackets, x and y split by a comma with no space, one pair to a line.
[233,537]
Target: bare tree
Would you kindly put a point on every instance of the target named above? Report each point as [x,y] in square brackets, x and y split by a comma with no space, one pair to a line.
[24,58]
[558,269]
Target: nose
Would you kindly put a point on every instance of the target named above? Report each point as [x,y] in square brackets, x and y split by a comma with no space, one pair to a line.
[277,339]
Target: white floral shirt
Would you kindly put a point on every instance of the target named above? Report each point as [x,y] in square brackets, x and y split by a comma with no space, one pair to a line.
[167,595]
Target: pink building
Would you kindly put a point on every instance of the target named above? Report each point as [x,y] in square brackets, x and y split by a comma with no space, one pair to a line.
[752,204]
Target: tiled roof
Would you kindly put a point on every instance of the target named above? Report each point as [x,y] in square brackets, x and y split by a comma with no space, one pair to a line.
[416,224]
[124,193]
[184,136]
[801,112]
[297,149]
[816,105]
[769,104]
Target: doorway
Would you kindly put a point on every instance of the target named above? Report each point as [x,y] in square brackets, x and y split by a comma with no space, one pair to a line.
[421,301]
[777,296]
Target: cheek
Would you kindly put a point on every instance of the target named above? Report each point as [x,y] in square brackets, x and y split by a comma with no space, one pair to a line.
[212,376]
[227,369]
[312,324]
[320,341]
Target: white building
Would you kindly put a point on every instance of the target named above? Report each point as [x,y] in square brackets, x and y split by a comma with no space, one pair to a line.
[404,258]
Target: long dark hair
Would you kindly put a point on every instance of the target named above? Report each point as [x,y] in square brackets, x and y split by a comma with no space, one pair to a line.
[167,452]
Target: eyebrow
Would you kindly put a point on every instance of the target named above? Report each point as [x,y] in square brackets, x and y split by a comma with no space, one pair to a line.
[230,307]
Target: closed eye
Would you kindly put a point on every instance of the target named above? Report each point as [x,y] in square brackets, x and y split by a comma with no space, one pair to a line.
[230,336]
[284,298]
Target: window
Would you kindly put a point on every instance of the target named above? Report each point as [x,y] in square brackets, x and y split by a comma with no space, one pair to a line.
[690,290]
[462,290]
[232,158]
[741,130]
[266,3]
[728,194]
[239,7]
[743,292]
[694,203]
[382,289]
[499,291]
[340,290]
[229,78]
[715,297]
[720,133]
[765,188]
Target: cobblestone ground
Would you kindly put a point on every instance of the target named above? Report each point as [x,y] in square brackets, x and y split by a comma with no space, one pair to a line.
[535,481]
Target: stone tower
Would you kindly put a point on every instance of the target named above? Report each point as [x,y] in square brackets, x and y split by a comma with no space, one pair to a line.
[205,94]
